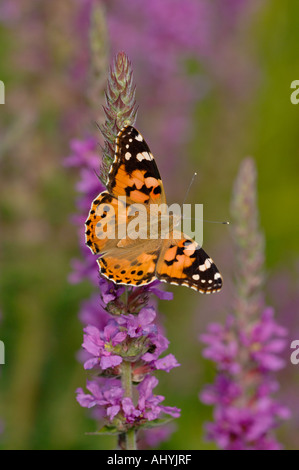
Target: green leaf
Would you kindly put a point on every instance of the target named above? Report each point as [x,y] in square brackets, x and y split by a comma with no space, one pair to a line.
[156,422]
[105,430]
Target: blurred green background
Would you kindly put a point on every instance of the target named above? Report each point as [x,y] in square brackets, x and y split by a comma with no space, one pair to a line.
[39,322]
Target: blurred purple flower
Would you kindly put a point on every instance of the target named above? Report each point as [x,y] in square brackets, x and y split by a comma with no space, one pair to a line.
[244,410]
[284,292]
[222,346]
[244,428]
[91,313]
[154,436]
[247,348]
[266,340]
[85,156]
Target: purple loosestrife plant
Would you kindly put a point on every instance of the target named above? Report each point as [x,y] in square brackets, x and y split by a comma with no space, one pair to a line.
[246,348]
[123,343]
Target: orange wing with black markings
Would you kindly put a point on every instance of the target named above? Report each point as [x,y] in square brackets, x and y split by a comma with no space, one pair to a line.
[106,220]
[134,267]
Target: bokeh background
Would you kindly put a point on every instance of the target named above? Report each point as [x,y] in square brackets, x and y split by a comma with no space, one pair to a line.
[213,86]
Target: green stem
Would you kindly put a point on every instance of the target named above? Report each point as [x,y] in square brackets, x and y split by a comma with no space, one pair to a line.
[126,298]
[126,380]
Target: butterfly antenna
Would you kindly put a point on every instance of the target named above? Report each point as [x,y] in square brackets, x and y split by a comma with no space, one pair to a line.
[189,187]
[226,222]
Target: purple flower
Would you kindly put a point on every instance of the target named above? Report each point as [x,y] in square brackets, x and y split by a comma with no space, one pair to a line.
[240,428]
[155,288]
[107,347]
[84,154]
[265,342]
[141,324]
[154,436]
[108,396]
[244,411]
[223,389]
[101,345]
[130,412]
[166,363]
[160,344]
[223,346]
[149,404]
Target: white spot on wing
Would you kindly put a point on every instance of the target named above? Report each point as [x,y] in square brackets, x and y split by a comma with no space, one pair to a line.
[144,156]
[208,263]
[139,137]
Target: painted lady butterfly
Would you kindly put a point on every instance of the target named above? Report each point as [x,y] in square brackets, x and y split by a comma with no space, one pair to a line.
[177,259]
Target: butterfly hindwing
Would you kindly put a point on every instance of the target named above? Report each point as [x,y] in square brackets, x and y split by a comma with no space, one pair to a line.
[134,172]
[134,267]
[106,218]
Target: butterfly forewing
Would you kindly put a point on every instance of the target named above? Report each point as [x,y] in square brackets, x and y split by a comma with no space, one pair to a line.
[134,172]
[184,262]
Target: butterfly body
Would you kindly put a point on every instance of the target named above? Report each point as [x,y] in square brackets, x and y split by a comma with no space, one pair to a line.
[136,250]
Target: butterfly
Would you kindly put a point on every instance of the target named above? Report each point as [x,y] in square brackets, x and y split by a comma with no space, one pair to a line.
[135,179]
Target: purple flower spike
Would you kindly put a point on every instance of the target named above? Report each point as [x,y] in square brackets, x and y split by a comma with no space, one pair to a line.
[246,349]
[122,340]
